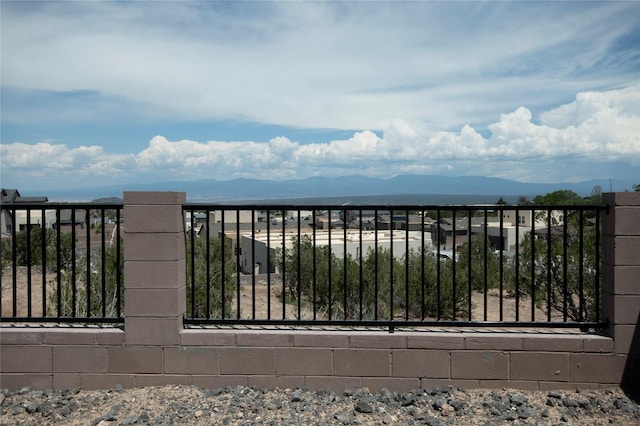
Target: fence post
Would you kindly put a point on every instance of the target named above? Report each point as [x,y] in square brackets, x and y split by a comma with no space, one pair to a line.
[621,277]
[155,267]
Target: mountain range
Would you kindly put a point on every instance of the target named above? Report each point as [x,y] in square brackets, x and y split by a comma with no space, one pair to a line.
[345,186]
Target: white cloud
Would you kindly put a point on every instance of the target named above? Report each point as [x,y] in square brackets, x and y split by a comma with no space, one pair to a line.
[597,128]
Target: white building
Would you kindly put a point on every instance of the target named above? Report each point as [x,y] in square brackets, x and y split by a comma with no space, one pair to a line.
[261,243]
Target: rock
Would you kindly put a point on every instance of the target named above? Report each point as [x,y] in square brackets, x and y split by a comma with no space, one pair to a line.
[363,407]
[517,399]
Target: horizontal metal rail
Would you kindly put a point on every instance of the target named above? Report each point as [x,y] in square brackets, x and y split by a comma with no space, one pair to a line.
[394,265]
[61,263]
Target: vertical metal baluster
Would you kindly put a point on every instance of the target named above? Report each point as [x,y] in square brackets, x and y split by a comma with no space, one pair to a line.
[315,280]
[268,264]
[469,254]
[564,265]
[118,262]
[375,269]
[453,268]
[597,265]
[103,272]
[517,278]
[192,242]
[406,266]
[549,265]
[29,261]
[485,272]
[345,265]
[581,306]
[43,241]
[238,264]
[501,212]
[88,238]
[284,262]
[422,274]
[391,260]
[438,293]
[223,277]
[299,284]
[330,272]
[207,239]
[360,267]
[73,263]
[253,264]
[58,266]
[533,265]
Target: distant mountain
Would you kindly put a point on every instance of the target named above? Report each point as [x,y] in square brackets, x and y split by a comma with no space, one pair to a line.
[345,186]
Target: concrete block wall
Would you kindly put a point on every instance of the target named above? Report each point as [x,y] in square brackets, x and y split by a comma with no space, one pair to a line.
[155,349]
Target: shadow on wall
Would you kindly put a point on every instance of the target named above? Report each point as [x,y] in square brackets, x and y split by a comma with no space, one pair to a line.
[631,375]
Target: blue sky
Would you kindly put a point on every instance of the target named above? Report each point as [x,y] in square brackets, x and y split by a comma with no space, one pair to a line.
[95,93]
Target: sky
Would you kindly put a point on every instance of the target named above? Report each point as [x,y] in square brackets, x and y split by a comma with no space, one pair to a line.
[99,93]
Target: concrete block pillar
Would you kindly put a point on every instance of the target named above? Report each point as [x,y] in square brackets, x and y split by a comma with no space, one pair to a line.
[621,277]
[155,267]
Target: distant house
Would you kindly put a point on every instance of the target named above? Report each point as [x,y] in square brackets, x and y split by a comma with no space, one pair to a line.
[12,197]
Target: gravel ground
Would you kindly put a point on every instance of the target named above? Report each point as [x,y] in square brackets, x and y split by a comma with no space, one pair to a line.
[248,406]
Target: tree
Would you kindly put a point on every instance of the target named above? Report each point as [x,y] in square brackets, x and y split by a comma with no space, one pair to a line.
[559,198]
[369,296]
[214,287]
[636,187]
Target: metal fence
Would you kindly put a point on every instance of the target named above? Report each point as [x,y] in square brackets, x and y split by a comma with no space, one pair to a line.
[394,266]
[61,263]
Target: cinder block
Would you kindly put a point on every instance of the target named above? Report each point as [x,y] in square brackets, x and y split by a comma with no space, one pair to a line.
[304,362]
[394,384]
[596,368]
[628,220]
[601,344]
[26,359]
[106,381]
[554,343]
[69,337]
[110,337]
[540,366]
[509,384]
[18,381]
[79,359]
[19,336]
[627,309]
[323,340]
[153,331]
[420,363]
[154,218]
[155,274]
[362,362]
[272,382]
[155,303]
[265,338]
[485,365]
[336,384]
[143,380]
[214,382]
[435,341]
[626,338]
[193,337]
[627,280]
[191,360]
[169,247]
[378,341]
[622,198]
[568,386]
[137,360]
[443,383]
[244,361]
[493,342]
[627,249]
[66,381]
[153,197]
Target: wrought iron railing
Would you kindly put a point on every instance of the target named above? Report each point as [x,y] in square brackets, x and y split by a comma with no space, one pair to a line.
[61,263]
[394,266]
